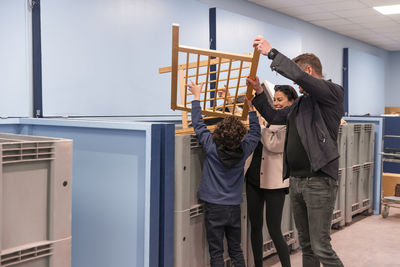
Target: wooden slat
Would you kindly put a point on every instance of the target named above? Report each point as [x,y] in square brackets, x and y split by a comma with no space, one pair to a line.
[197,70]
[227,84]
[186,76]
[205,93]
[208,112]
[214,53]
[237,87]
[216,84]
[215,90]
[174,65]
[183,90]
[204,73]
[192,65]
[252,75]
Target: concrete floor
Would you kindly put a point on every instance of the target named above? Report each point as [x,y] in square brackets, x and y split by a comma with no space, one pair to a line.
[369,241]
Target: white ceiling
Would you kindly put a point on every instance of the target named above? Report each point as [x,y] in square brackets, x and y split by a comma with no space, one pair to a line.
[353,18]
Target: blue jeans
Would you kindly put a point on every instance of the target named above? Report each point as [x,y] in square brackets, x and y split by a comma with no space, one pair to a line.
[220,220]
[313,201]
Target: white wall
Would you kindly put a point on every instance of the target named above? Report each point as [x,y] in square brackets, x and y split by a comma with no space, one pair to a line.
[392,96]
[15,62]
[101,57]
[366,83]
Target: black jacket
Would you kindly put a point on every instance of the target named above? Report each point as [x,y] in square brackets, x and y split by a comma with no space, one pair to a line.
[318,116]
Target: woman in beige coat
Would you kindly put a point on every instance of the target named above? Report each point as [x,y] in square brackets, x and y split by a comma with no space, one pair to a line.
[264,183]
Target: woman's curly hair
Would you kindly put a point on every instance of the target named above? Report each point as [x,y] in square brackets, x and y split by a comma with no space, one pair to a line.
[229,132]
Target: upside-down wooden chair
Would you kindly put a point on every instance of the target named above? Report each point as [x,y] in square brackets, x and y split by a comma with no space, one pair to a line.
[219,71]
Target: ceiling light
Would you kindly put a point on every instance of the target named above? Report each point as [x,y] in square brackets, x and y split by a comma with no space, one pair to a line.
[388,10]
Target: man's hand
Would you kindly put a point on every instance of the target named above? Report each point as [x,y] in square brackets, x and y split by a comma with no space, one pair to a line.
[255,83]
[195,89]
[262,45]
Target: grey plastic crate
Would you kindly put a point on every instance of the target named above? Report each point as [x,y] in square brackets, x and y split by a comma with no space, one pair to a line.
[367,149]
[359,182]
[338,217]
[360,143]
[354,144]
[190,243]
[288,230]
[189,158]
[342,145]
[35,211]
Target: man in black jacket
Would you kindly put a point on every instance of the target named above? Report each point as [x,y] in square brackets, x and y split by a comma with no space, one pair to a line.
[311,154]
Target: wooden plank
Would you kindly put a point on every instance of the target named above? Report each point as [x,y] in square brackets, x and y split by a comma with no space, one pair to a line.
[230,87]
[204,73]
[174,65]
[214,53]
[183,90]
[216,85]
[252,75]
[237,87]
[197,70]
[192,65]
[186,76]
[227,84]
[208,112]
[205,93]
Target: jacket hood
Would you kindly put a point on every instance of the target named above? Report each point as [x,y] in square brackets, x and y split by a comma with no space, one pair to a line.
[230,158]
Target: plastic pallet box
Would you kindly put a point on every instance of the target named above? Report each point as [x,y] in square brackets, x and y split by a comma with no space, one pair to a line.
[338,217]
[190,242]
[354,144]
[35,211]
[359,186]
[288,230]
[342,145]
[367,148]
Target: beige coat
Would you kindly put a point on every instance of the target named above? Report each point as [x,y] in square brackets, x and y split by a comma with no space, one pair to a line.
[273,140]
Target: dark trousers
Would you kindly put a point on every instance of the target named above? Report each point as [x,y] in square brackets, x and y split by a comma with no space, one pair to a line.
[274,200]
[313,201]
[220,220]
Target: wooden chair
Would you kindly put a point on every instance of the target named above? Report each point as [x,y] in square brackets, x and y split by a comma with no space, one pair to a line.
[218,70]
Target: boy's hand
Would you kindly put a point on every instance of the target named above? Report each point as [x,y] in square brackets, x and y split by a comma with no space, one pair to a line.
[250,104]
[255,83]
[195,89]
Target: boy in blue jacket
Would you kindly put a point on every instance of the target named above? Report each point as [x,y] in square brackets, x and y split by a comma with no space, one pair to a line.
[222,179]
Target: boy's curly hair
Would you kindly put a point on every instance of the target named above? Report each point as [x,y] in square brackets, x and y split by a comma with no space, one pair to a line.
[229,132]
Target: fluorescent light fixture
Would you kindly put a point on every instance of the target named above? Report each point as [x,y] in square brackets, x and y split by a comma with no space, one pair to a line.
[388,10]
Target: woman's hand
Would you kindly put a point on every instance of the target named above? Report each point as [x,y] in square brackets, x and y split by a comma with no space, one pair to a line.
[255,83]
[223,92]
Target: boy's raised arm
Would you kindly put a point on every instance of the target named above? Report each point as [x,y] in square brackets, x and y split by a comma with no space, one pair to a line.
[200,128]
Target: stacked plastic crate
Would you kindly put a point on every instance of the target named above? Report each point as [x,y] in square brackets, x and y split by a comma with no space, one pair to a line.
[338,218]
[190,243]
[359,171]
[35,211]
